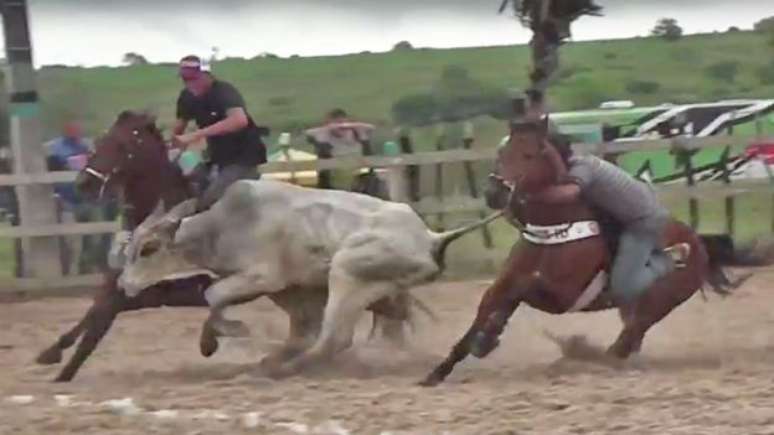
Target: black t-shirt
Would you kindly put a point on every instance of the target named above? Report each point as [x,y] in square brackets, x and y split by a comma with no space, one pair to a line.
[243,146]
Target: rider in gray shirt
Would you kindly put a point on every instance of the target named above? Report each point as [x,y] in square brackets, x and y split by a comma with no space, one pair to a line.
[641,259]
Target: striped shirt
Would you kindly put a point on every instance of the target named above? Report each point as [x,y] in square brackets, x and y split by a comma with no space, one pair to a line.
[613,190]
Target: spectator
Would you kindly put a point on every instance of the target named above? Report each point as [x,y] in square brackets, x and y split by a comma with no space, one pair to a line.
[70,153]
[339,136]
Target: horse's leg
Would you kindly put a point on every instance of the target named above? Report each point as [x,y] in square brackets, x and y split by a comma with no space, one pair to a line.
[112,301]
[653,306]
[102,315]
[53,354]
[497,305]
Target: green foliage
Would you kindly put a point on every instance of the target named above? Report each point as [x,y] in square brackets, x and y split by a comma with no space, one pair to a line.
[642,87]
[369,85]
[455,96]
[668,29]
[725,71]
[586,92]
[765,74]
[765,25]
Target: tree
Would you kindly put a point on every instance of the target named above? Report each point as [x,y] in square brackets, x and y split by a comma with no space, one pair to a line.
[733,29]
[133,58]
[668,29]
[724,71]
[765,25]
[403,45]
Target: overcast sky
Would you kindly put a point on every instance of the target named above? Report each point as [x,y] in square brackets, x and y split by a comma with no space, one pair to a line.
[99,32]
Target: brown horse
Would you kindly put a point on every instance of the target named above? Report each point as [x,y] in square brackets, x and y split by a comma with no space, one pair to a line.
[559,265]
[131,159]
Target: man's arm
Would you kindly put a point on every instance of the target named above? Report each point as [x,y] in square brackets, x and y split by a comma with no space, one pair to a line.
[560,194]
[236,119]
[179,128]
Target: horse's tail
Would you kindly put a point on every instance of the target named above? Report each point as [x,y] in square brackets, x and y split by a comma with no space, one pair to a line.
[719,252]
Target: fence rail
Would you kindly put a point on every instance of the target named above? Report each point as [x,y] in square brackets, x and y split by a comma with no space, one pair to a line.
[426,206]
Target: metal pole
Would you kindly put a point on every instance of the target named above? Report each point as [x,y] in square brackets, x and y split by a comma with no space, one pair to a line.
[36,203]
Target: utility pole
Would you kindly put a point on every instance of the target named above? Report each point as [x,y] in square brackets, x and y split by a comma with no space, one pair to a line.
[36,204]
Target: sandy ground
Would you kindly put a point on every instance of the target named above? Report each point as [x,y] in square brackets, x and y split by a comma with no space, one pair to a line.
[707,369]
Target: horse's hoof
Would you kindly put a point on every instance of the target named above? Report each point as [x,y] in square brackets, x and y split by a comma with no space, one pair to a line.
[431,380]
[50,356]
[208,343]
[62,378]
[482,345]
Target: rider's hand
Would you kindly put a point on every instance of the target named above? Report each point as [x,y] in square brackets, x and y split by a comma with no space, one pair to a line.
[184,140]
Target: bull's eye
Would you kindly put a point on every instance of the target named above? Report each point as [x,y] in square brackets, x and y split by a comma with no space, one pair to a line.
[150,248]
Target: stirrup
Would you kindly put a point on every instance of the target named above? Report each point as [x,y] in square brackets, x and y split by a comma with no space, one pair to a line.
[679,254]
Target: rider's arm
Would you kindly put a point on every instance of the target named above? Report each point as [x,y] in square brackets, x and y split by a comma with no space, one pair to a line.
[236,119]
[559,194]
[574,180]
[560,168]
[180,125]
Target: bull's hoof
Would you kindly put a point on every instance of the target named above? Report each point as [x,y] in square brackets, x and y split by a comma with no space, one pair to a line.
[208,342]
[52,355]
[280,371]
[482,345]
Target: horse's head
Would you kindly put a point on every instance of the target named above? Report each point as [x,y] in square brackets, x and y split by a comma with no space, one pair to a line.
[132,145]
[525,160]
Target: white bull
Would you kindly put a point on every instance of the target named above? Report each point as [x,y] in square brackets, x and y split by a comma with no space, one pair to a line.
[264,237]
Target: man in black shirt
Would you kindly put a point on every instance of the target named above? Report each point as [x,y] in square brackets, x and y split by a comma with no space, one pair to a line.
[234,144]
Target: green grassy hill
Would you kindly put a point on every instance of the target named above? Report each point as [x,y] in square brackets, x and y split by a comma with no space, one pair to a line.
[290,94]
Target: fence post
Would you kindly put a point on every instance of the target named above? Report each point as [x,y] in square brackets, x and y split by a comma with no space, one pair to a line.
[440,146]
[412,171]
[684,156]
[36,205]
[759,135]
[467,142]
[730,209]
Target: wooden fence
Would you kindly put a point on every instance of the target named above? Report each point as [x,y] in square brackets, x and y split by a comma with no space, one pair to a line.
[396,166]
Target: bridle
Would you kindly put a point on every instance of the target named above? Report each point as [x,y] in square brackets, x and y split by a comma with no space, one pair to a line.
[105,178]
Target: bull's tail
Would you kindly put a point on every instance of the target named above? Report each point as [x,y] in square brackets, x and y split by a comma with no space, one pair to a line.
[442,240]
[720,252]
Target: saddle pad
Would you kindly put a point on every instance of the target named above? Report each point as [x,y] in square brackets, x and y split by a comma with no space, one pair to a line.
[559,234]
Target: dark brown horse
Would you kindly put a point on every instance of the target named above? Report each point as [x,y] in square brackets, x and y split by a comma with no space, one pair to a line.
[131,159]
[560,277]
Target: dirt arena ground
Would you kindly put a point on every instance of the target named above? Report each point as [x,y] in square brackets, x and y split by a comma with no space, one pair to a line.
[707,369]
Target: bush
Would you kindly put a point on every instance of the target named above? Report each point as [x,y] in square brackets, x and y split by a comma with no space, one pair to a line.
[403,45]
[724,71]
[668,29]
[610,55]
[417,109]
[765,74]
[764,25]
[584,93]
[642,87]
